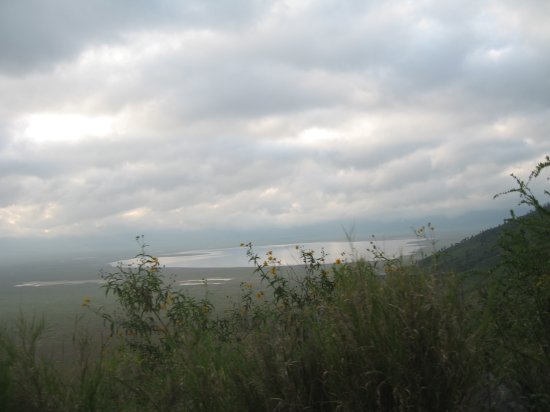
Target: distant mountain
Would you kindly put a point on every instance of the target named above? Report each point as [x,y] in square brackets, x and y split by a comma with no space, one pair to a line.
[480,252]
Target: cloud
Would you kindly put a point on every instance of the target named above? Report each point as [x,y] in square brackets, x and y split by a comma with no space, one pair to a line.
[36,34]
[201,116]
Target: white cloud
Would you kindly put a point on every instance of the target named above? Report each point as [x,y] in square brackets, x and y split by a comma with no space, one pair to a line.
[229,116]
[44,128]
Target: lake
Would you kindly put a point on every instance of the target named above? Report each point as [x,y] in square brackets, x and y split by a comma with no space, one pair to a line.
[288,254]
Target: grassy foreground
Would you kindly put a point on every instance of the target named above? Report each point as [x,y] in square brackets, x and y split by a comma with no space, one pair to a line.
[386,335]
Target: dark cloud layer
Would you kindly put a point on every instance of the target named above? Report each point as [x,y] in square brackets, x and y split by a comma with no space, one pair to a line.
[35,34]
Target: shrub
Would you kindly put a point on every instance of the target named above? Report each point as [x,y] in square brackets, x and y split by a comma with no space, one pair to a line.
[519,298]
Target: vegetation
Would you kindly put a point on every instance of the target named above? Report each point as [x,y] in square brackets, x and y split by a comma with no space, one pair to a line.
[382,335]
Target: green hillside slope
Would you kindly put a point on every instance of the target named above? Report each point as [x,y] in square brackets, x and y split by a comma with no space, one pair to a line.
[481,252]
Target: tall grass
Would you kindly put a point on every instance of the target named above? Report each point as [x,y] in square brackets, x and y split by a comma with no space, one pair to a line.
[337,338]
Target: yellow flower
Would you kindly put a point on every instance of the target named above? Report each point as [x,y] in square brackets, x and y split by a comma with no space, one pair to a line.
[337,262]
[86,302]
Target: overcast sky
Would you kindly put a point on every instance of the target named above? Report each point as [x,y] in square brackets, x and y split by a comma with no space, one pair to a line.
[222,115]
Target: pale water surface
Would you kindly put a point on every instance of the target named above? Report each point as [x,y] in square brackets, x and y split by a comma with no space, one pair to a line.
[288,254]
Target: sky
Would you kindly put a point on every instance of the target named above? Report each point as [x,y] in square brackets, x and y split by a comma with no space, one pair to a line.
[216,117]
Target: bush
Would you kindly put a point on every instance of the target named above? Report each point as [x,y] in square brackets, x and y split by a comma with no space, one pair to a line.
[339,337]
[519,298]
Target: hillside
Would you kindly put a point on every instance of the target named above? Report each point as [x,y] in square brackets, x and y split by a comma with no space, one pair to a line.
[475,253]
[479,252]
